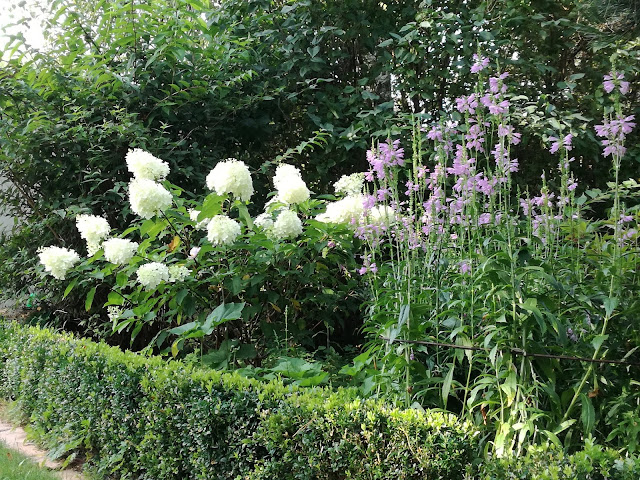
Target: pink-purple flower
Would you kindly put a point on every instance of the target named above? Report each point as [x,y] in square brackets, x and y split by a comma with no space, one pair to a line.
[614,78]
[480,63]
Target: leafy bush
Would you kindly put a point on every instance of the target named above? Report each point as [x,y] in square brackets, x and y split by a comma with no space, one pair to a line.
[281,274]
[550,463]
[254,79]
[138,417]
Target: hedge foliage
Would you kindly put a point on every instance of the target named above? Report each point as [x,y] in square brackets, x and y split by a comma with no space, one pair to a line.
[145,418]
[550,463]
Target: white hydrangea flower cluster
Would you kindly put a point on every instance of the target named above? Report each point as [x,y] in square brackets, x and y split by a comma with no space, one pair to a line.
[150,275]
[148,198]
[287,225]
[350,184]
[193,216]
[231,176]
[382,215]
[144,165]
[177,273]
[119,250]
[289,184]
[58,260]
[222,230]
[93,230]
[264,221]
[347,210]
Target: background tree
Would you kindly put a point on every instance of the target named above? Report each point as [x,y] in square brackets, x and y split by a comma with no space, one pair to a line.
[195,82]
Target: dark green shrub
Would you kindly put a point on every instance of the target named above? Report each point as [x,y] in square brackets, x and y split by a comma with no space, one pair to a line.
[138,417]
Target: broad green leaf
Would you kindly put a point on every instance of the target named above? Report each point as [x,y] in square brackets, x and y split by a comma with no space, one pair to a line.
[588,416]
[598,341]
[223,313]
[211,206]
[446,385]
[610,305]
[67,290]
[184,328]
[114,298]
[403,316]
[89,300]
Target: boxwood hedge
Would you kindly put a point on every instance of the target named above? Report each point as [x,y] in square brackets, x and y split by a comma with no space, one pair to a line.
[138,417]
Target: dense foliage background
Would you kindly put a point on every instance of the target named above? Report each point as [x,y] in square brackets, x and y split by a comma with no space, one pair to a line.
[312,82]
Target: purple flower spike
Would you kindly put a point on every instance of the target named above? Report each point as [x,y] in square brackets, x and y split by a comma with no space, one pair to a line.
[480,63]
[614,78]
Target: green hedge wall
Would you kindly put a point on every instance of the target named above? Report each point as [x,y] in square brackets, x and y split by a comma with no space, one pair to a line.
[139,417]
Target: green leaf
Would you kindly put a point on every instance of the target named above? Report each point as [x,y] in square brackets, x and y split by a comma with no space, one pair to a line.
[610,305]
[89,301]
[598,340]
[211,206]
[446,385]
[509,387]
[223,313]
[588,415]
[67,290]
[243,211]
[122,278]
[403,316]
[184,328]
[114,298]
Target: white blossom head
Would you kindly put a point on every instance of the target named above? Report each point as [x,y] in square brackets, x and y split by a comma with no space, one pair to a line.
[350,184]
[148,198]
[293,191]
[284,173]
[144,165]
[193,216]
[231,176]
[177,273]
[348,210]
[287,225]
[119,250]
[290,185]
[264,221]
[150,275]
[93,230]
[382,215]
[58,260]
[222,230]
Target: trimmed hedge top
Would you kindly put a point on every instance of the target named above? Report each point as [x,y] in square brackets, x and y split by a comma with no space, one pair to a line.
[146,418]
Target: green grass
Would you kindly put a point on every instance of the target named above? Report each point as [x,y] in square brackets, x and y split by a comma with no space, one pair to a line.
[14,466]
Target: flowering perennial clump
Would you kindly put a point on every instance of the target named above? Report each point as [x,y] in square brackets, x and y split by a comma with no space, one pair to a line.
[287,225]
[222,230]
[58,260]
[119,250]
[150,275]
[148,198]
[231,176]
[290,186]
[382,215]
[264,221]
[177,273]
[144,165]
[93,230]
[350,184]
[347,211]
